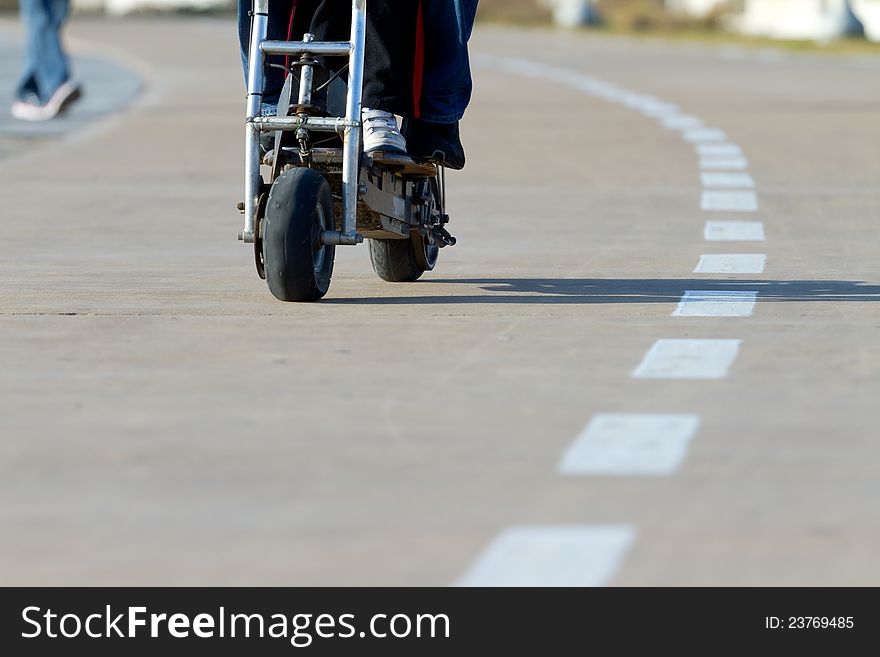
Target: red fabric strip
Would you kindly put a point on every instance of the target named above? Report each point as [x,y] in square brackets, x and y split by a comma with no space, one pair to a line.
[419,64]
[290,33]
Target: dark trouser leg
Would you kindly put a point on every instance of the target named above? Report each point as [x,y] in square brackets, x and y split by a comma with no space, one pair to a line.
[447,79]
[447,83]
[279,24]
[391,44]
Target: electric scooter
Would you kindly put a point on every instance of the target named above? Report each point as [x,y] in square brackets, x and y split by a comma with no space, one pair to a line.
[313,188]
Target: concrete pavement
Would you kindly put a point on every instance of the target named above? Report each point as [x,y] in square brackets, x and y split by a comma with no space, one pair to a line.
[166,421]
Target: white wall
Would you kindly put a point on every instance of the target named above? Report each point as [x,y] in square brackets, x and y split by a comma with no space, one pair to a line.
[868,12]
[820,20]
[571,13]
[126,6]
[696,8]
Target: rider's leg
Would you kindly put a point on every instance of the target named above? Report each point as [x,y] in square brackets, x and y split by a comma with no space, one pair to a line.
[280,13]
[390,62]
[434,135]
[391,55]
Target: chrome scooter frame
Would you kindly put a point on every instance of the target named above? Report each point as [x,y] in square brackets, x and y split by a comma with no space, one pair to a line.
[349,126]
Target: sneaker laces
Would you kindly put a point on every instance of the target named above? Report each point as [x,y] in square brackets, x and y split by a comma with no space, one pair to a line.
[381,131]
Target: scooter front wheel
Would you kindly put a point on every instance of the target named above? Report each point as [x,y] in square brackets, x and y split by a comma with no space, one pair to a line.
[298,266]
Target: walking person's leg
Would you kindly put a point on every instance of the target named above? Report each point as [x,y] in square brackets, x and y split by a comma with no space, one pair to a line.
[33,19]
[45,89]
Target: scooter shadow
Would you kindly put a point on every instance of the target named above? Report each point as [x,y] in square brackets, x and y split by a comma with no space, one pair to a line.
[624,290]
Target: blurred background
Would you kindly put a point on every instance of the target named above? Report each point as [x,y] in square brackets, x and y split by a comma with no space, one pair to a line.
[166,421]
[798,20]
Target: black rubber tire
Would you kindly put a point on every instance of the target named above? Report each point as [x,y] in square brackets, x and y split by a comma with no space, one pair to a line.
[395,260]
[404,261]
[299,200]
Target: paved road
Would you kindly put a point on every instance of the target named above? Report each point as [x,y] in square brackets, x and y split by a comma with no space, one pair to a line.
[165,421]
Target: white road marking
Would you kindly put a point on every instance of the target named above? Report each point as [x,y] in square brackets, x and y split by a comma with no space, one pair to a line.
[724,163]
[688,359]
[682,122]
[729,201]
[637,101]
[734,231]
[719,150]
[557,556]
[613,444]
[724,180]
[660,109]
[716,303]
[701,135]
[731,263]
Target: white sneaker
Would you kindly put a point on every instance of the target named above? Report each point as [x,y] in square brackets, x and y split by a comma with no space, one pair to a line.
[31,109]
[381,132]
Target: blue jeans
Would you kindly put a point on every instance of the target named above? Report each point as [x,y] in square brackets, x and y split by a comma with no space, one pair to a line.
[46,65]
[448,85]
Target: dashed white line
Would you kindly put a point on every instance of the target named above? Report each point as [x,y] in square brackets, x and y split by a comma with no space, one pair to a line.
[729,201]
[724,180]
[719,150]
[659,109]
[731,263]
[716,303]
[734,231]
[729,163]
[700,135]
[556,556]
[638,101]
[633,444]
[682,122]
[688,359]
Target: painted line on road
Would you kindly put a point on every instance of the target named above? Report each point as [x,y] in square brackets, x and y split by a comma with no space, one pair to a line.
[688,359]
[631,444]
[702,135]
[719,150]
[724,180]
[557,556]
[729,201]
[681,122]
[716,303]
[660,109]
[734,231]
[729,163]
[731,263]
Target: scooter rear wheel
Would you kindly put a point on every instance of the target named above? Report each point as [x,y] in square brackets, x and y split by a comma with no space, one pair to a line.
[403,261]
[298,266]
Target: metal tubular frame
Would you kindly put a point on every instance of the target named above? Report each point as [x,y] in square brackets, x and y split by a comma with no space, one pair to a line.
[252,180]
[299,47]
[349,126]
[352,142]
[316,123]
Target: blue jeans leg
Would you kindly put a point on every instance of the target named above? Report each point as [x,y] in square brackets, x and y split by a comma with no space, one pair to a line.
[46,65]
[279,23]
[447,87]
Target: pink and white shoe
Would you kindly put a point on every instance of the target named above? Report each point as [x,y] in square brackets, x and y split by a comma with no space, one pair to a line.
[31,109]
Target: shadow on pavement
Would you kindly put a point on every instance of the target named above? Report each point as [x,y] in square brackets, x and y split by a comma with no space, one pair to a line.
[597,290]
